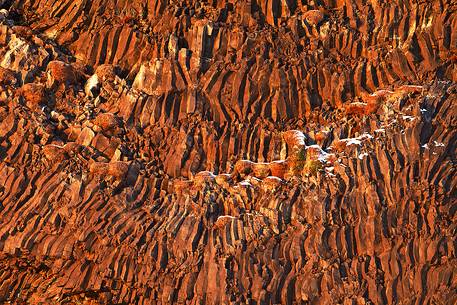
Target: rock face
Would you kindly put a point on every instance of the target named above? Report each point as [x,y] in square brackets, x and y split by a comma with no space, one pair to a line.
[228,152]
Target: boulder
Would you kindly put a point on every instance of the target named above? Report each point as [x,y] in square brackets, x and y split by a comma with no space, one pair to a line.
[118,169]
[261,170]
[203,177]
[106,121]
[7,77]
[271,183]
[182,186]
[59,72]
[34,95]
[294,138]
[313,17]
[278,168]
[54,152]
[243,167]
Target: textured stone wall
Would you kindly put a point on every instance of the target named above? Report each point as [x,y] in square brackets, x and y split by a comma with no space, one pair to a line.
[228,152]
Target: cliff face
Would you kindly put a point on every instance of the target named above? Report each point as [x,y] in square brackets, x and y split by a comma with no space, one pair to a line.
[228,152]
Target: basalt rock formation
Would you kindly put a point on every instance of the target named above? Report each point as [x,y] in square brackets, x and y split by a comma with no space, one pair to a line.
[228,152]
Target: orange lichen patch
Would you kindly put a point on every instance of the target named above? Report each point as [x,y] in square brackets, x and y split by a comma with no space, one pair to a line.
[270,183]
[313,17]
[54,152]
[203,177]
[279,168]
[243,167]
[261,170]
[106,121]
[33,94]
[118,169]
[294,138]
[59,72]
[222,221]
[410,88]
[182,186]
[7,77]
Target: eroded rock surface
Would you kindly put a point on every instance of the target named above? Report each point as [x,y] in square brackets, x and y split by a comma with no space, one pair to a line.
[228,152]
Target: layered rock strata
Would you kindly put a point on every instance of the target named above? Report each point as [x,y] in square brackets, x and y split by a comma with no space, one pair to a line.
[228,152]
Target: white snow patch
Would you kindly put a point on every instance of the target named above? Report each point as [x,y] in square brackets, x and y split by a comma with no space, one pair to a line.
[353,142]
[323,156]
[366,136]
[408,118]
[92,83]
[245,183]
[438,144]
[225,217]
[358,140]
[314,146]
[363,155]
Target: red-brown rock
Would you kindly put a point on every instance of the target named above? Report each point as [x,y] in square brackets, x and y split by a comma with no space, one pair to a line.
[34,95]
[96,204]
[59,72]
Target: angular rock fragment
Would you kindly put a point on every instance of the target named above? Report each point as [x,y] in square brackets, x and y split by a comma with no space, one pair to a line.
[106,121]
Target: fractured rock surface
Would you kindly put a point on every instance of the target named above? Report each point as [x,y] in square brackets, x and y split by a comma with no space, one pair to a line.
[228,152]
